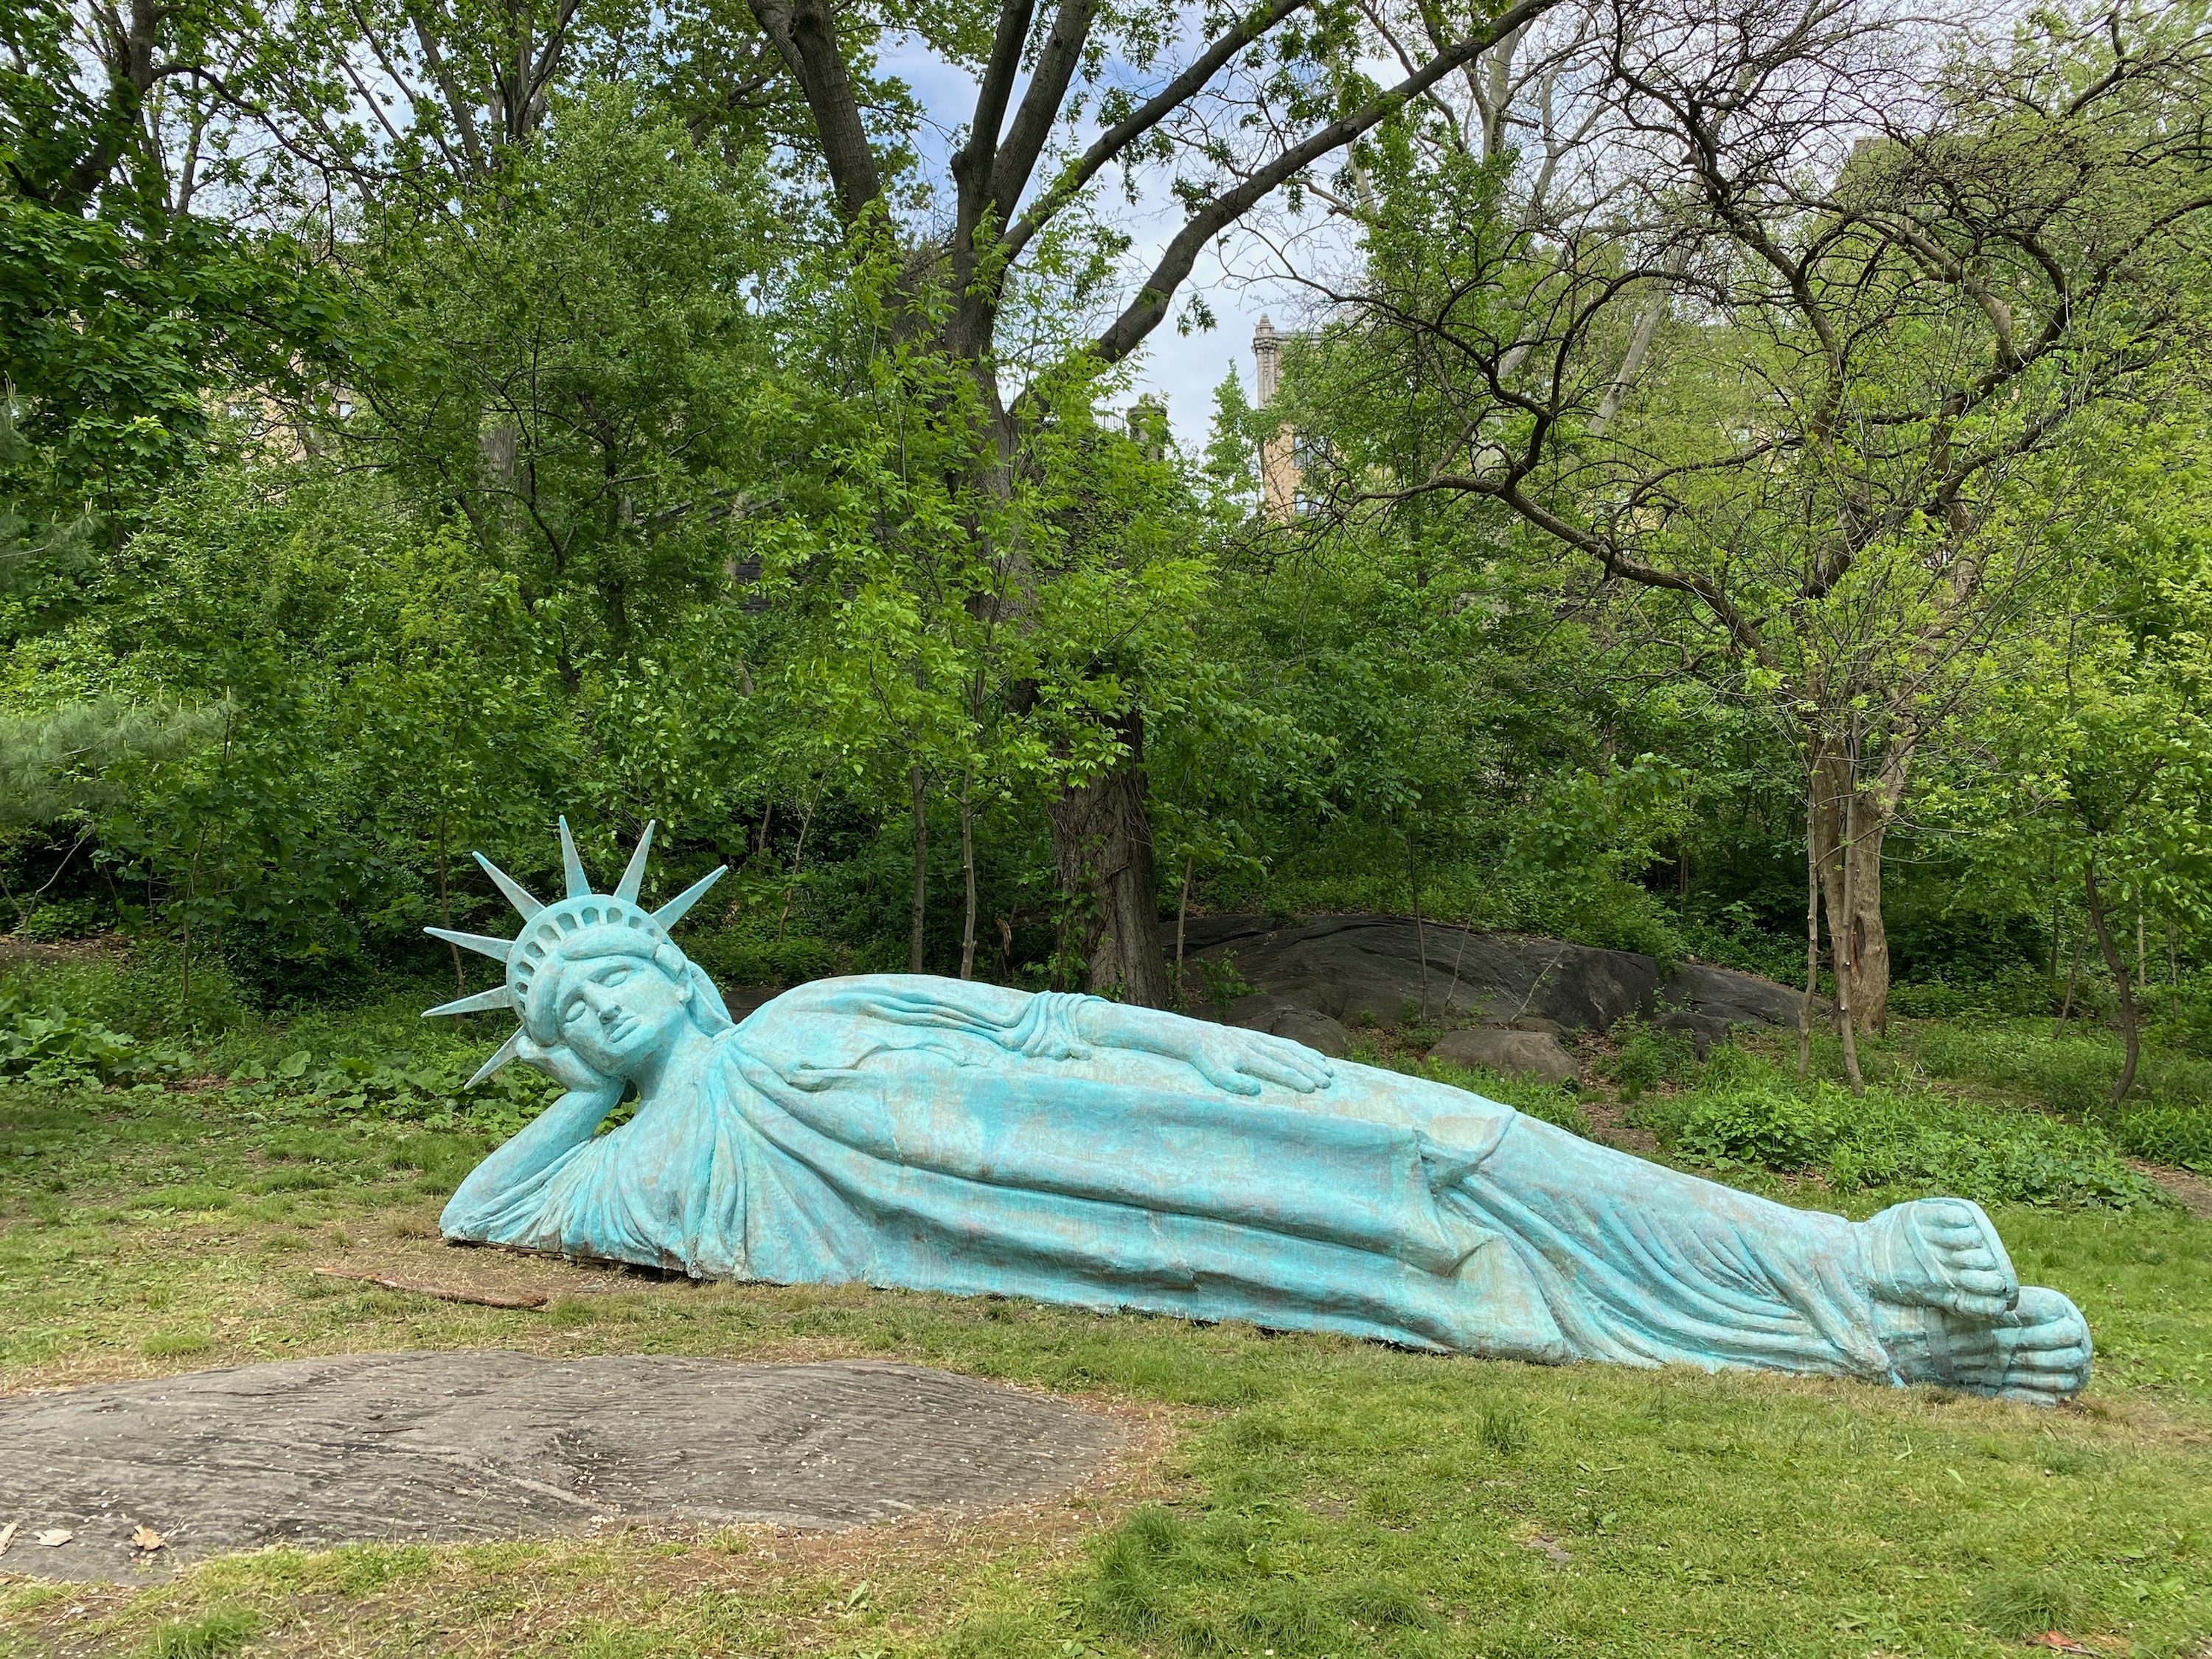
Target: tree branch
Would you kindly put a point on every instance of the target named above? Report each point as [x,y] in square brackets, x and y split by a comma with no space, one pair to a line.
[1146,312]
[1116,139]
[805,35]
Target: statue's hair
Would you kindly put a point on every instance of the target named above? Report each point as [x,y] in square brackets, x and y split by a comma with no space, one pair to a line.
[542,994]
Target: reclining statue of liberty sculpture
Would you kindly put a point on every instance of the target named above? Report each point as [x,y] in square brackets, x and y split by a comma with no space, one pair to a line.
[936,1134]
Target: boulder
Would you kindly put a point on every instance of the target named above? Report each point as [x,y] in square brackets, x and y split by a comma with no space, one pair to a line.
[1278,1017]
[1501,1048]
[1723,994]
[1359,969]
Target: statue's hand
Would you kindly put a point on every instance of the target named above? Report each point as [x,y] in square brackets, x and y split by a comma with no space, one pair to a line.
[565,1066]
[1240,1062]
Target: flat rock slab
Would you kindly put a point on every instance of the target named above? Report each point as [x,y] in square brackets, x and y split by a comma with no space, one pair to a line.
[413,1447]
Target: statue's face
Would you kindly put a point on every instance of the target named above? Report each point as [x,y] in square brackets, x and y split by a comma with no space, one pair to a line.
[619,1012]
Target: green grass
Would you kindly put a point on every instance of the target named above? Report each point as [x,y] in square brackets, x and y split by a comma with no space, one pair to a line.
[1314,1497]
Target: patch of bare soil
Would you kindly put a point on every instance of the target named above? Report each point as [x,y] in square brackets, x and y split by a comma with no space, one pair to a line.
[16,952]
[2194,1191]
[1609,1124]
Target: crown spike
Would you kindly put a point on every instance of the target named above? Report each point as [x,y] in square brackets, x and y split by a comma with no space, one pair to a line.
[634,876]
[499,950]
[516,893]
[504,1052]
[482,1002]
[672,912]
[579,885]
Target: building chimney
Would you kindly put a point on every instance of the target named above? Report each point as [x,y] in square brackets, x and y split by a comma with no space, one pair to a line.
[1267,358]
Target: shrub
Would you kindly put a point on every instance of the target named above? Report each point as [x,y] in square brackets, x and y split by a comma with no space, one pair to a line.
[1647,1055]
[2011,995]
[44,1042]
[1885,1138]
[2168,1117]
[1765,1128]
[61,919]
[738,957]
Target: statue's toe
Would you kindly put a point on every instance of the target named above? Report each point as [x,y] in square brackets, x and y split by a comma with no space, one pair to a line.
[1940,1253]
[2044,1347]
[2037,1351]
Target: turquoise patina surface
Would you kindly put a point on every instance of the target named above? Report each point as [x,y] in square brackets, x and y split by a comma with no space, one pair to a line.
[940,1135]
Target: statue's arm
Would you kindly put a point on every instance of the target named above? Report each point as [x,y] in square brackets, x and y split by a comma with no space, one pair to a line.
[566,1124]
[1048,1025]
[1236,1060]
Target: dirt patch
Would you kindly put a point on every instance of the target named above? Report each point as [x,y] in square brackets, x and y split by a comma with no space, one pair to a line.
[15,952]
[2194,1191]
[484,1444]
[1609,1124]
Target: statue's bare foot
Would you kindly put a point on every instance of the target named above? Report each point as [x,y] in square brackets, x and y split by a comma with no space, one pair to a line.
[2037,1351]
[1939,1253]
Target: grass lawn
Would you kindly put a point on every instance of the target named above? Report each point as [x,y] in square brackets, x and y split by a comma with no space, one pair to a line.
[1283,1495]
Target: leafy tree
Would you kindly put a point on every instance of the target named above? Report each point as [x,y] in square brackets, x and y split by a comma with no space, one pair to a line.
[2096,770]
[1805,364]
[1019,230]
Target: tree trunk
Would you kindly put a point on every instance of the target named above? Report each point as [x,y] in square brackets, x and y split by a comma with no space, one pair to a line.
[1845,941]
[967,871]
[1812,926]
[2131,1025]
[1182,919]
[1849,823]
[1421,928]
[920,874]
[2066,1008]
[192,895]
[446,912]
[1101,837]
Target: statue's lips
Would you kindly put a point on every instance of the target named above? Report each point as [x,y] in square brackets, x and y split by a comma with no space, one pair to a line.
[620,1025]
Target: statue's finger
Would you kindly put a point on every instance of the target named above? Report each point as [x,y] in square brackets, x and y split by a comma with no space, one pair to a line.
[1227,1077]
[1288,1069]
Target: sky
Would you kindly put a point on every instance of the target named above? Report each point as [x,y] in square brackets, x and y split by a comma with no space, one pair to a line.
[1182,370]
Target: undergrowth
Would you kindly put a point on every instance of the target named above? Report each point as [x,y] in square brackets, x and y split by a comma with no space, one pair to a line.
[1747,1113]
[2167,1116]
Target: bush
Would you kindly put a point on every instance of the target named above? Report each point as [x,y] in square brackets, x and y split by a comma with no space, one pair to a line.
[739,957]
[61,919]
[1646,1056]
[1885,1138]
[42,1041]
[2168,1117]
[2022,993]
[141,991]
[1764,1128]
[1339,876]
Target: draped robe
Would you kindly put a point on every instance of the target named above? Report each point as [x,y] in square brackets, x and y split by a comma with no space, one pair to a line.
[936,1135]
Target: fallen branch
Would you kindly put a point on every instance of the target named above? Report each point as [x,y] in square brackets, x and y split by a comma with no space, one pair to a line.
[443,1292]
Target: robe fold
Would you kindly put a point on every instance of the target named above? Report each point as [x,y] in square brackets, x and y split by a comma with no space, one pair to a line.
[935,1135]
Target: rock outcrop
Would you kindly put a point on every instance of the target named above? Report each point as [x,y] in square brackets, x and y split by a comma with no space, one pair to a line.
[1317,978]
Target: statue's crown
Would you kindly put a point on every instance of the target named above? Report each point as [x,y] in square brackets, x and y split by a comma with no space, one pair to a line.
[545,926]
